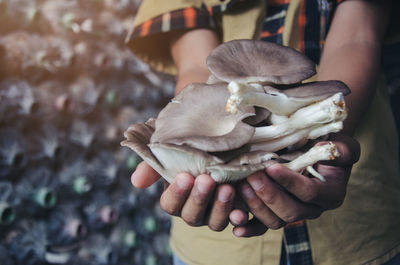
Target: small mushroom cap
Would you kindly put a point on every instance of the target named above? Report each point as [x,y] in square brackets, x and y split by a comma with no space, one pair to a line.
[206,126]
[167,159]
[259,61]
[180,158]
[315,90]
[137,138]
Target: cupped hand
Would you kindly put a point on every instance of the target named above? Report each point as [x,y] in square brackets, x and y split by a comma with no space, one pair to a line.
[198,201]
[278,195]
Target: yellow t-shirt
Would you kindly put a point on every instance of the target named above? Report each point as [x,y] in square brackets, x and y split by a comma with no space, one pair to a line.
[364,230]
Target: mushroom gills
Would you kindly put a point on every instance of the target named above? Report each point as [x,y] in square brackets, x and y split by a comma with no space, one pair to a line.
[179,158]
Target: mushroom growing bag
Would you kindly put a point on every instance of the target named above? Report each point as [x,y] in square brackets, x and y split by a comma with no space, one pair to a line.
[253,111]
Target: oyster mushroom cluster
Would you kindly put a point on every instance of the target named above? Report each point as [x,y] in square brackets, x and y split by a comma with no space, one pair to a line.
[251,113]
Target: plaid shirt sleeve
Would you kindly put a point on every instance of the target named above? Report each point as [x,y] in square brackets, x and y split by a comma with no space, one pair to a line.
[148,39]
[184,18]
[179,19]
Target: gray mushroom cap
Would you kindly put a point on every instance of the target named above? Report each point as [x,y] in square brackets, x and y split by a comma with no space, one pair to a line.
[206,126]
[137,138]
[169,159]
[314,90]
[252,61]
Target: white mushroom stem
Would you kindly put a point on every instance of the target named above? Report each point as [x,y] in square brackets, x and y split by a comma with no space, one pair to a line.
[277,119]
[327,111]
[307,133]
[239,95]
[254,94]
[312,156]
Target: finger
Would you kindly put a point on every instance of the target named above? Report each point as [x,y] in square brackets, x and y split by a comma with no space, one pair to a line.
[221,207]
[348,148]
[258,208]
[144,176]
[311,191]
[193,211]
[238,217]
[279,201]
[174,197]
[253,228]
[333,190]
[303,187]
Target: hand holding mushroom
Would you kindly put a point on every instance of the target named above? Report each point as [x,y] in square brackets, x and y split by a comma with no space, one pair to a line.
[279,195]
[252,108]
[215,129]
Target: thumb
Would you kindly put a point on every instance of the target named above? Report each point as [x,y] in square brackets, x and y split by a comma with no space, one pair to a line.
[144,176]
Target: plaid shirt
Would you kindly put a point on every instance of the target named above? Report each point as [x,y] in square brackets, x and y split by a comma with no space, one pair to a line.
[314,22]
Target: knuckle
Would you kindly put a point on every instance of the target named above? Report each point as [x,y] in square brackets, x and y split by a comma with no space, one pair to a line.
[176,191]
[200,199]
[217,227]
[269,198]
[221,209]
[256,207]
[290,218]
[191,220]
[286,183]
[310,195]
[169,209]
[275,225]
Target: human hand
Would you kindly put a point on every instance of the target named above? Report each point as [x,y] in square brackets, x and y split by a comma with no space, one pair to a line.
[279,196]
[198,201]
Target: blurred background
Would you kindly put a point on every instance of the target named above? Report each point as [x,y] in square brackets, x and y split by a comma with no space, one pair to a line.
[68,89]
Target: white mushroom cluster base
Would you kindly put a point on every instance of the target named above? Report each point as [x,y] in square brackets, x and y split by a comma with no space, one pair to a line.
[253,112]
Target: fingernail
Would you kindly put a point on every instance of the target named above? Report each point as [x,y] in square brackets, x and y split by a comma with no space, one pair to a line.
[224,196]
[247,192]
[202,186]
[237,219]
[135,179]
[182,182]
[323,143]
[238,231]
[256,182]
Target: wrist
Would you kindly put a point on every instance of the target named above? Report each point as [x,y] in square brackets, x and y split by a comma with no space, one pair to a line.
[195,74]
